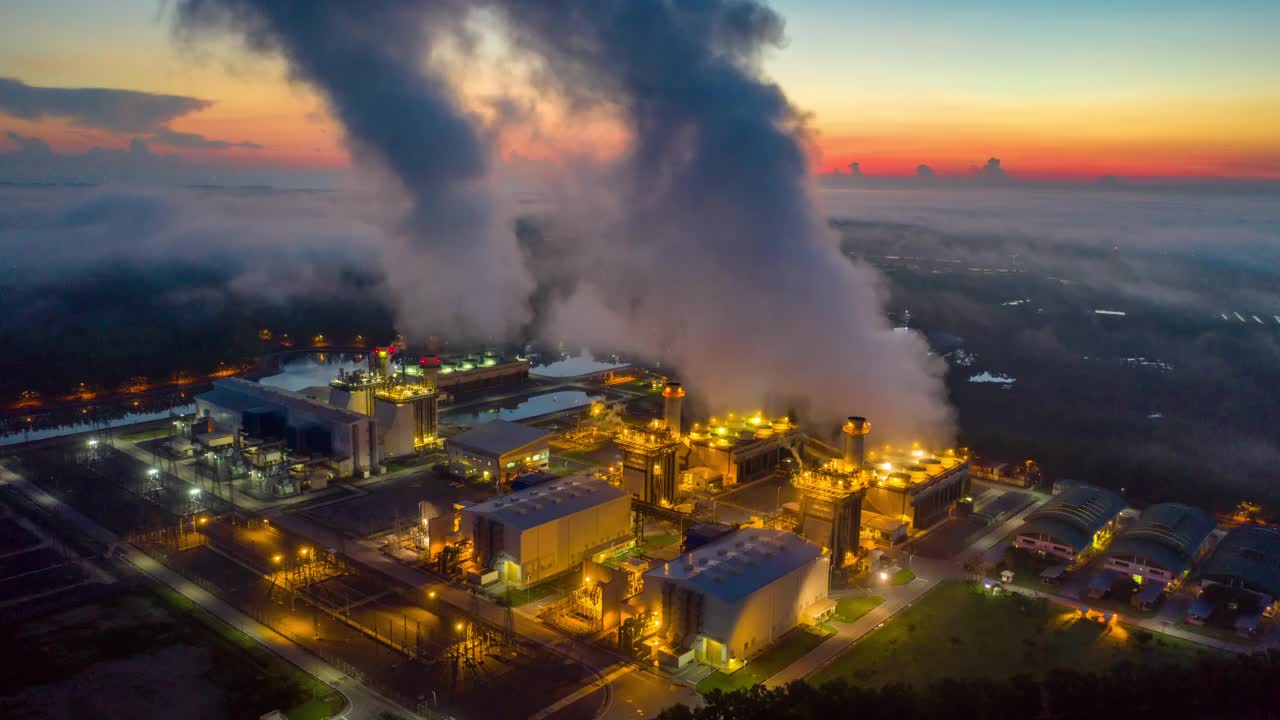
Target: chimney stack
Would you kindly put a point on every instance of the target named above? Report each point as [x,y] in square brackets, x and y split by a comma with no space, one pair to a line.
[672,404]
[430,365]
[855,437]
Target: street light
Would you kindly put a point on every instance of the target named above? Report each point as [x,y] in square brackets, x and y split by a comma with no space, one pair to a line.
[884,575]
[277,558]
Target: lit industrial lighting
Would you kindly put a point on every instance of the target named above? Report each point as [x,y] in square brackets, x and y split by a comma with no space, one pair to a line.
[432,595]
[153,472]
[194,492]
[458,627]
[204,520]
[886,466]
[93,443]
[277,558]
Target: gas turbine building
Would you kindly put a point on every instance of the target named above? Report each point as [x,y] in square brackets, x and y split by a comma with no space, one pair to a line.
[549,529]
[735,596]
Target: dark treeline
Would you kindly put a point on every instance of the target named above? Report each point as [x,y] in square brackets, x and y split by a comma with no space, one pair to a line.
[111,325]
[1239,687]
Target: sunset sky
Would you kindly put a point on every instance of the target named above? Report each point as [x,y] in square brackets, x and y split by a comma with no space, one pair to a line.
[1136,89]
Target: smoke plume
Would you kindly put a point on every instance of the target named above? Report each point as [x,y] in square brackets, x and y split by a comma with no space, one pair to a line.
[709,250]
[702,247]
[457,267]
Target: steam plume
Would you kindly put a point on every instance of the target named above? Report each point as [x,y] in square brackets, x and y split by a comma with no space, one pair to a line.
[716,255]
[457,268]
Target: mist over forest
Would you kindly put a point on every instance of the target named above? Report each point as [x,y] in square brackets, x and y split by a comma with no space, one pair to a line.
[1170,400]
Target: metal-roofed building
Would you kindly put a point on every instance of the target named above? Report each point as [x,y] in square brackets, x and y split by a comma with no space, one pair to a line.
[1069,523]
[1162,544]
[499,449]
[735,596]
[549,529]
[307,425]
[1247,558]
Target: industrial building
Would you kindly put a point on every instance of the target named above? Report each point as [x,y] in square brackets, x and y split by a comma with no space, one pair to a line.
[547,530]
[406,406]
[349,439]
[499,449]
[733,597]
[459,374]
[1162,544]
[742,448]
[915,485]
[1071,522]
[1248,559]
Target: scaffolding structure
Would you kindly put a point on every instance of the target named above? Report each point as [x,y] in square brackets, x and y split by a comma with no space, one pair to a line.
[835,492]
[649,463]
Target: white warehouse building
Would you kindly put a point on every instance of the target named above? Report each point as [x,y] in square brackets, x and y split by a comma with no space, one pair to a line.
[543,531]
[734,597]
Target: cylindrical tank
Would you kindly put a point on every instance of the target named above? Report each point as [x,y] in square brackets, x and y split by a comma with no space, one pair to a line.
[672,406]
[855,441]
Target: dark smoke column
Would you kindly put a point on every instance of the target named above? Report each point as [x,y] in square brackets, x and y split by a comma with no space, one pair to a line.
[720,259]
[457,269]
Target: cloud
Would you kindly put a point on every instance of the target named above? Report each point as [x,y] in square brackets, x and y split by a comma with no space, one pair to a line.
[195,141]
[122,111]
[30,145]
[33,161]
[992,172]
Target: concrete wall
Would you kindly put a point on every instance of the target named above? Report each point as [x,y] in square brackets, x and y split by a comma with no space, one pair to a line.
[396,425]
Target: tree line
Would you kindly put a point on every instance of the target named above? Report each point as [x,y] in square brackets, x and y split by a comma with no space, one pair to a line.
[1215,686]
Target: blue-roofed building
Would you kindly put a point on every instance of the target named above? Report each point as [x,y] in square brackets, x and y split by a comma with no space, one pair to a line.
[1162,544]
[1069,524]
[1247,558]
[734,596]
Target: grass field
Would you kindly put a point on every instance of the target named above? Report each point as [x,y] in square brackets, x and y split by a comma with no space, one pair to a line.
[142,435]
[903,576]
[960,631]
[787,650]
[851,608]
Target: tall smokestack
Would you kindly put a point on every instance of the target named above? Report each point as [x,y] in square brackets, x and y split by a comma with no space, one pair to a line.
[672,404]
[855,442]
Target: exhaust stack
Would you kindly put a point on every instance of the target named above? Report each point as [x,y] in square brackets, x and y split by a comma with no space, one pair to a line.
[855,441]
[430,365]
[672,405]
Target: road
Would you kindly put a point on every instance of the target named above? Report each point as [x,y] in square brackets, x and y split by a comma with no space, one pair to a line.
[362,703]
